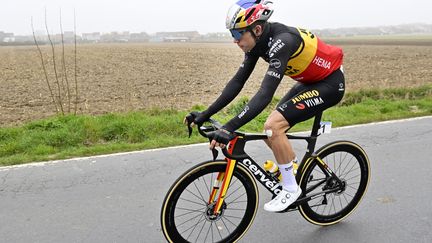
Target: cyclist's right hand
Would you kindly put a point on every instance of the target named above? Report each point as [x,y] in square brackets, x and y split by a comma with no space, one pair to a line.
[195,117]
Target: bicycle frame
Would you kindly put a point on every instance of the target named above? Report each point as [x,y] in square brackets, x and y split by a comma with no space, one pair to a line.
[235,155]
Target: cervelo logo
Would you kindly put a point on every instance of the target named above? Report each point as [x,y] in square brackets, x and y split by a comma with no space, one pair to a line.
[272,185]
[305,95]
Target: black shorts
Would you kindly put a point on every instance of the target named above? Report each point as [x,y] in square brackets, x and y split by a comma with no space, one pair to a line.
[304,101]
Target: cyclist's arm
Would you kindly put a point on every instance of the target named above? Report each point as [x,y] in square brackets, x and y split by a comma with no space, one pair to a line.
[275,72]
[234,86]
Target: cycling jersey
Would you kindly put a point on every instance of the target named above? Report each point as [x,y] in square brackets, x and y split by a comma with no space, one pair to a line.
[289,51]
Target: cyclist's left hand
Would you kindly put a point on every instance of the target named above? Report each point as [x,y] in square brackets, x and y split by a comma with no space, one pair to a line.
[221,138]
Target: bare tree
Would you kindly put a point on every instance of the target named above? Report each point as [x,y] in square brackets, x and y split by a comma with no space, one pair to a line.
[43,67]
[62,89]
[64,66]
[59,97]
[75,57]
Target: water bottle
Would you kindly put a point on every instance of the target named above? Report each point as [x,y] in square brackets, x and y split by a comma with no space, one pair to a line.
[273,169]
[295,166]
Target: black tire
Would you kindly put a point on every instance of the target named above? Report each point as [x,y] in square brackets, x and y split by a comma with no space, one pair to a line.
[350,163]
[183,214]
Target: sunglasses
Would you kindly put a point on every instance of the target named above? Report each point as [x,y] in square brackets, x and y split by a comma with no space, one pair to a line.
[237,34]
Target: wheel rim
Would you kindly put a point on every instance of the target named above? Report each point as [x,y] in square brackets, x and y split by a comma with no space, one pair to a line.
[345,165]
[193,215]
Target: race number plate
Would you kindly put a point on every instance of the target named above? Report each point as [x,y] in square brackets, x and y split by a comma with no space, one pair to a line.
[325,127]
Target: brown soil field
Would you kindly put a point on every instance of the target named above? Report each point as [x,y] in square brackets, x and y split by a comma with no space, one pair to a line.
[127,77]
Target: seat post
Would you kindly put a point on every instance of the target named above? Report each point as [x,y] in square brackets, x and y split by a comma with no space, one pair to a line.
[316,124]
[314,134]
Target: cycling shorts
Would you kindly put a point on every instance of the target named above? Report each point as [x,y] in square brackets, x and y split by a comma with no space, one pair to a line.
[305,100]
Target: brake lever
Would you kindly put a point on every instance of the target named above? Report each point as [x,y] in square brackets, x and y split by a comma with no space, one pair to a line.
[189,120]
[215,153]
[189,129]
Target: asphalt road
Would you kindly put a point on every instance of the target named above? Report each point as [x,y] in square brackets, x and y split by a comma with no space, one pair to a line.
[117,198]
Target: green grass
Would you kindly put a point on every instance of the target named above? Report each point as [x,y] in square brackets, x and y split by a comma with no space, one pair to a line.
[71,136]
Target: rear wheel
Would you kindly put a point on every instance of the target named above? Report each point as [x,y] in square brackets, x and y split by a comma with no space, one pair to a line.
[187,215]
[350,164]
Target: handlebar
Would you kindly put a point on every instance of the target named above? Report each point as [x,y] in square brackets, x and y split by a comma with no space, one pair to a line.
[208,132]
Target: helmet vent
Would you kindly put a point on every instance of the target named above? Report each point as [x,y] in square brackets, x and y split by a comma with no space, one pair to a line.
[249,14]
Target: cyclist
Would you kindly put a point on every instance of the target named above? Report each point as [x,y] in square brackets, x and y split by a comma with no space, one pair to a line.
[289,51]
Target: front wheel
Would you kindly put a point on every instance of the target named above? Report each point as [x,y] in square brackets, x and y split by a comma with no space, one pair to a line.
[334,197]
[187,210]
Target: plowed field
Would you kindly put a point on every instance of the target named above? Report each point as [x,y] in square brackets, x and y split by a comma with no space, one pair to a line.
[125,77]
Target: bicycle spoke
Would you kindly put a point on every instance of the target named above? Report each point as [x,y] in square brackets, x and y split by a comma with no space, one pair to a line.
[325,206]
[236,202]
[354,188]
[208,231]
[217,227]
[345,174]
[236,209]
[346,193]
[201,199]
[353,177]
[196,240]
[320,170]
[190,211]
[201,204]
[345,198]
[194,227]
[238,188]
[232,216]
[199,190]
[207,187]
[186,221]
[340,165]
[238,197]
[222,219]
[211,226]
[347,164]
[230,221]
[351,171]
[333,203]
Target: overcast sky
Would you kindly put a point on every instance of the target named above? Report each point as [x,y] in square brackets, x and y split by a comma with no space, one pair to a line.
[203,15]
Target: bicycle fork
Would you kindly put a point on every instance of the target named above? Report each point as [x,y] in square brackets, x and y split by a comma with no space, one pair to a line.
[224,179]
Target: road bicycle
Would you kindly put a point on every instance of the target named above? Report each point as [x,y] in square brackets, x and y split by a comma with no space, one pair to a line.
[217,200]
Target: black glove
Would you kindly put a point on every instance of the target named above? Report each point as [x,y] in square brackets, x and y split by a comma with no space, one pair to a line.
[197,117]
[223,136]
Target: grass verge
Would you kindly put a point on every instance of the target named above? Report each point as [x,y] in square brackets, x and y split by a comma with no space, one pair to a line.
[72,136]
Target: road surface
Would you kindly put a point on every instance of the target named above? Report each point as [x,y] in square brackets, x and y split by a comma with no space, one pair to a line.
[117,198]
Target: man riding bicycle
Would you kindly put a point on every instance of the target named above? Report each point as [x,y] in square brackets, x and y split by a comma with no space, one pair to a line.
[290,51]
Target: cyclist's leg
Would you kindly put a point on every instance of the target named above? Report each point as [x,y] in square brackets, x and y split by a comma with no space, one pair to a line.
[293,92]
[312,99]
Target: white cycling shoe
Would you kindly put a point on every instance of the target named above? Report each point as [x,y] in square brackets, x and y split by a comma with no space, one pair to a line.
[282,200]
